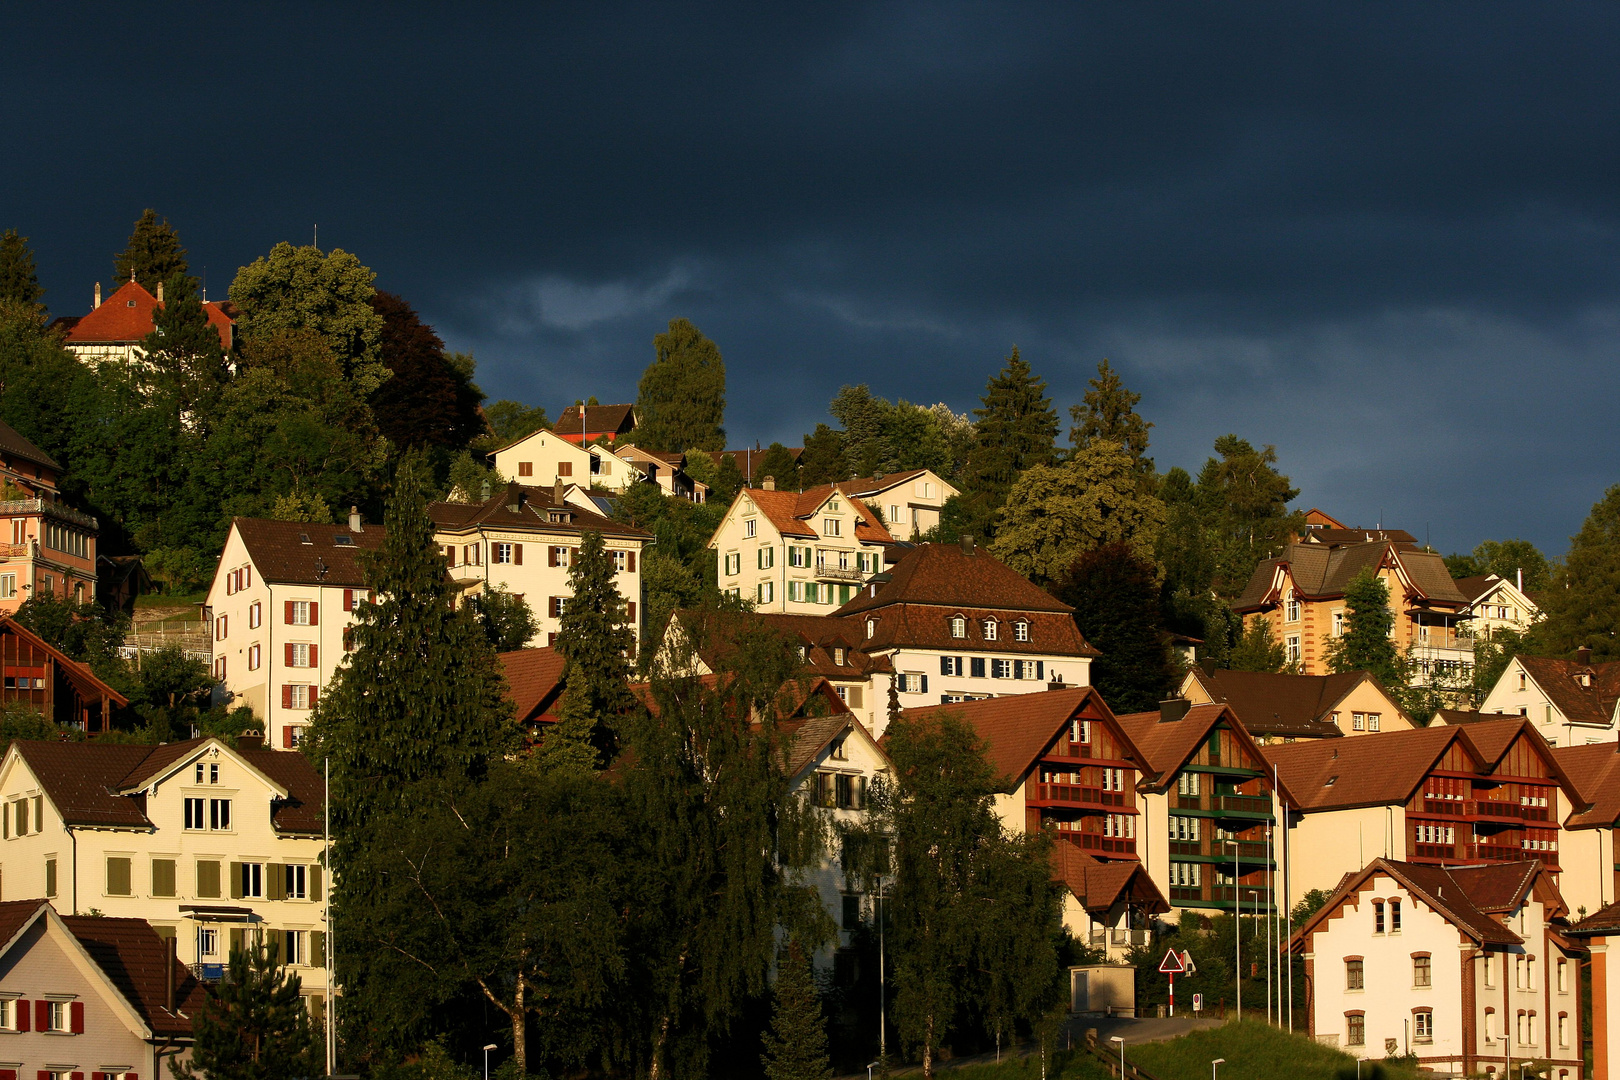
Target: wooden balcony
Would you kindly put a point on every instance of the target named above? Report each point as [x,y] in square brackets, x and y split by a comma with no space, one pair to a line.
[835,573]
[1107,845]
[1243,804]
[1076,795]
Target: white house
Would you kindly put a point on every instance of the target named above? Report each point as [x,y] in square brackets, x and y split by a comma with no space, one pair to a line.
[909,501]
[1465,967]
[1571,702]
[543,457]
[215,846]
[1497,604]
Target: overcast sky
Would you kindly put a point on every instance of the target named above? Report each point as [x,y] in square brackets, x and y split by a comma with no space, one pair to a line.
[1381,237]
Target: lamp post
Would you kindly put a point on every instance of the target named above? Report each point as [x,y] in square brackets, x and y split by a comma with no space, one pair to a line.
[1215,1068]
[487,1049]
[1116,1038]
[869,1069]
[883,1003]
[1237,928]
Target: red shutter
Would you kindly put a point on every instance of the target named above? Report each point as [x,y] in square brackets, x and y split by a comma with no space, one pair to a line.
[450,554]
[76,1019]
[348,599]
[551,556]
[287,615]
[517,554]
[24,1015]
[286,738]
[43,1075]
[286,696]
[573,556]
[313,691]
[631,612]
[314,656]
[287,656]
[42,1016]
[314,613]
[78,1076]
[630,562]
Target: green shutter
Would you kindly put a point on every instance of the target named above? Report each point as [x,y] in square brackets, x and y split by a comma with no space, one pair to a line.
[317,948]
[118,876]
[315,881]
[276,887]
[208,879]
[162,877]
[238,940]
[236,881]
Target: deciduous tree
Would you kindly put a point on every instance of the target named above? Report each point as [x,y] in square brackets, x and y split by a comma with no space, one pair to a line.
[681,401]
[427,401]
[510,420]
[153,254]
[1115,596]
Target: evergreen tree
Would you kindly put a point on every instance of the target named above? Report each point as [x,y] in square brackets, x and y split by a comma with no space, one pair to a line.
[185,352]
[1115,596]
[19,280]
[863,416]
[777,462]
[45,393]
[1108,413]
[427,401]
[728,480]
[1366,644]
[823,460]
[596,643]
[1259,650]
[681,401]
[796,1045]
[153,254]
[254,1025]
[1017,429]
[1244,500]
[1056,512]
[1582,604]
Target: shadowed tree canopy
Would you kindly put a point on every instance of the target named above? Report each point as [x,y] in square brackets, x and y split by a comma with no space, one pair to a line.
[823,460]
[1016,430]
[1259,650]
[1582,604]
[1244,501]
[254,1025]
[777,462]
[1108,413]
[153,254]
[510,420]
[427,401]
[681,401]
[185,351]
[1115,596]
[19,280]
[1366,644]
[1506,559]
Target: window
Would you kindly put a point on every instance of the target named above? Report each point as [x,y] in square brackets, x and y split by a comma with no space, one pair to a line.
[1354,974]
[1001,669]
[8,1013]
[840,654]
[958,627]
[912,682]
[525,468]
[502,554]
[766,591]
[1530,974]
[8,586]
[1358,721]
[1187,784]
[50,877]
[734,564]
[1394,916]
[1080,731]
[852,912]
[1490,1025]
[58,1013]
[218,817]
[219,628]
[1490,970]
[207,941]
[1293,649]
[298,696]
[1338,623]
[118,883]
[219,668]
[1020,631]
[251,884]
[565,468]
[950,665]
[1183,828]
[831,527]
[795,592]
[300,613]
[1355,1029]
[253,657]
[1185,875]
[1563,976]
[255,615]
[296,884]
[1291,607]
[1372,721]
[871,627]
[1563,1029]
[163,877]
[1378,916]
[750,528]
[300,655]
[1122,826]
[1420,970]
[767,558]
[293,941]
[622,561]
[989,629]
[1422,1025]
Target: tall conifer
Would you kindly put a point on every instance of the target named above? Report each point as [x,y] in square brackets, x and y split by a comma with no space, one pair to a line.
[1016,428]
[19,280]
[1108,414]
[596,643]
[823,460]
[186,354]
[681,401]
[796,1045]
[153,253]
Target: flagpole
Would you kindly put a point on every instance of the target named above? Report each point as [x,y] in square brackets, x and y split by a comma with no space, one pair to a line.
[331,942]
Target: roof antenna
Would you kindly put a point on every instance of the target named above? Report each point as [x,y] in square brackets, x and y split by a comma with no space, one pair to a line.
[205,284]
[317,241]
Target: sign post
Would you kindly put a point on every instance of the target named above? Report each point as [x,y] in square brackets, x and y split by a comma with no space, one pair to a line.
[1172,965]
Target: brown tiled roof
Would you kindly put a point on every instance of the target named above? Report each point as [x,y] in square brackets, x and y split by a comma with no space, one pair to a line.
[13,444]
[16,914]
[598,419]
[1169,745]
[1357,536]
[862,486]
[943,575]
[1594,769]
[303,809]
[281,557]
[1018,728]
[819,635]
[1454,717]
[1369,770]
[811,736]
[134,958]
[534,505]
[789,512]
[1275,704]
[533,681]
[84,681]
[1098,885]
[1604,921]
[927,627]
[126,316]
[1497,887]
[1436,887]
[1322,572]
[1475,587]
[747,460]
[1581,704]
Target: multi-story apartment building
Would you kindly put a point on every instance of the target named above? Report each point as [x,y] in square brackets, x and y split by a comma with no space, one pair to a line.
[90,993]
[52,547]
[1571,702]
[544,458]
[803,553]
[1067,765]
[524,539]
[1481,793]
[42,677]
[909,502]
[1283,708]
[1588,857]
[283,598]
[1466,968]
[215,846]
[1301,594]
[113,332]
[1207,833]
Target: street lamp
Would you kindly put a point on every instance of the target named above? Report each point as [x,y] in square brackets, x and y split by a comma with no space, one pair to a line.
[1215,1068]
[1116,1038]
[869,1069]
[1237,926]
[487,1049]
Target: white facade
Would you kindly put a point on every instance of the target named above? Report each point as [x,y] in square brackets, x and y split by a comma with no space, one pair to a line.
[1518,692]
[544,457]
[804,556]
[909,502]
[931,676]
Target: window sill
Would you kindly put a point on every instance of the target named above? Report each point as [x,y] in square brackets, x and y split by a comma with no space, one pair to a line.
[1424,1042]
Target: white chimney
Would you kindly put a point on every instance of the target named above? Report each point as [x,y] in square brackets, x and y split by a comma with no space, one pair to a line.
[98,297]
[160,292]
[354,520]
[770,483]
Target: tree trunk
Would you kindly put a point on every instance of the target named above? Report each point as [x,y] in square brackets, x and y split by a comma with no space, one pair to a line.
[655,1071]
[928,1050]
[520,1029]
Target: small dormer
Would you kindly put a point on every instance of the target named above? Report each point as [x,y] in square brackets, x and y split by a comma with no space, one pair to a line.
[560,515]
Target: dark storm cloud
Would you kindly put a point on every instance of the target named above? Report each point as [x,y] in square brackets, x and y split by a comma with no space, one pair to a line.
[1381,237]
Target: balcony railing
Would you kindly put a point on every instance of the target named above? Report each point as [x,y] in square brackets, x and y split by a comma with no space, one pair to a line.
[1077,795]
[15,507]
[1112,845]
[208,972]
[14,551]
[1189,802]
[1486,808]
[1244,804]
[835,573]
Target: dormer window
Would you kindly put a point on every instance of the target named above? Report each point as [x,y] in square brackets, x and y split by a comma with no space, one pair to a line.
[1020,631]
[804,652]
[958,626]
[1291,607]
[1584,678]
[303,538]
[990,630]
[343,540]
[871,628]
[839,654]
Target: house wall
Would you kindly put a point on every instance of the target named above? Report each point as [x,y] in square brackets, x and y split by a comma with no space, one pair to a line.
[939,689]
[861,759]
[31,566]
[545,454]
[835,567]
[1587,881]
[1325,844]
[40,966]
[81,856]
[912,508]
[1605,1008]
[1517,694]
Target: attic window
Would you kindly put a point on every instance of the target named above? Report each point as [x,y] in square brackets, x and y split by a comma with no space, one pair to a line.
[838,655]
[958,626]
[1331,780]
[836,751]
[343,540]
[871,627]
[129,303]
[804,652]
[303,538]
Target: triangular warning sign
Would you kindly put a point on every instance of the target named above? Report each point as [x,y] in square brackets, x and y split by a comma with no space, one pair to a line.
[1172,963]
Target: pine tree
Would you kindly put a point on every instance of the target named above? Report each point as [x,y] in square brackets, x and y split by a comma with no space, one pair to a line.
[1259,650]
[728,480]
[823,460]
[596,643]
[1115,596]
[1016,429]
[1582,604]
[864,416]
[19,280]
[153,254]
[1108,413]
[681,400]
[254,1025]
[1244,500]
[796,1045]
[185,352]
[777,463]
[1366,644]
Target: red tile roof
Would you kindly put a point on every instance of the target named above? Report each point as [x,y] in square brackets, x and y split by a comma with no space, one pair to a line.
[533,514]
[1167,745]
[1603,922]
[331,557]
[1018,729]
[126,317]
[534,682]
[817,635]
[1098,885]
[944,575]
[1594,769]
[1275,704]
[789,512]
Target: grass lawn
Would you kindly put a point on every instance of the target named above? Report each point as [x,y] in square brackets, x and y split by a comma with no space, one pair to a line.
[149,600]
[1064,1065]
[1253,1051]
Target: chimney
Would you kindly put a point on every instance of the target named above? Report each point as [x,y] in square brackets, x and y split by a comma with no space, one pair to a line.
[355,524]
[967,543]
[514,497]
[1583,656]
[557,492]
[98,297]
[1208,664]
[250,740]
[1173,709]
[1520,572]
[160,292]
[168,973]
[769,483]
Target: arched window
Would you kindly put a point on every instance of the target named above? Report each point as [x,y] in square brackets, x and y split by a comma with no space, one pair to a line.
[1020,630]
[871,627]
[989,629]
[958,626]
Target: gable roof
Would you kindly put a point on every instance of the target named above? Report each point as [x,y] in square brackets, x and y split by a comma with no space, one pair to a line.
[281,556]
[789,513]
[134,957]
[1321,572]
[1594,769]
[126,317]
[1457,896]
[1559,680]
[1602,922]
[1277,704]
[13,444]
[1018,728]
[1099,885]
[817,635]
[102,785]
[814,734]
[534,506]
[946,575]
[1167,745]
[597,419]
[533,682]
[84,681]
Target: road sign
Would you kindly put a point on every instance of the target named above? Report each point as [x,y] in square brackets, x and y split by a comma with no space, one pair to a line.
[1198,1003]
[1172,964]
[1187,963]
